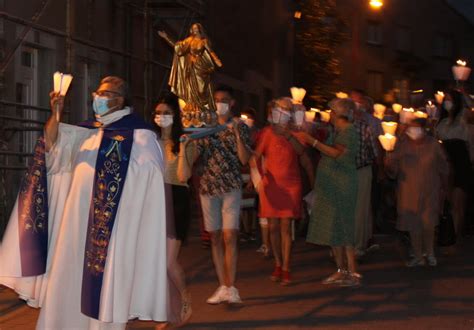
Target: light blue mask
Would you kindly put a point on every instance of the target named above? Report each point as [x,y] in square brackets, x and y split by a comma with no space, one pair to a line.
[100,105]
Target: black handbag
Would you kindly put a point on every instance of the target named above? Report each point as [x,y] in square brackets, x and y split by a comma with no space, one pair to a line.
[446,230]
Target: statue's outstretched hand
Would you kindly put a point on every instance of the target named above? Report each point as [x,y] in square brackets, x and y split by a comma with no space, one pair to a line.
[163,34]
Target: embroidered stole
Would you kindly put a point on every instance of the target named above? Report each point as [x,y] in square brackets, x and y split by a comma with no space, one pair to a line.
[33,215]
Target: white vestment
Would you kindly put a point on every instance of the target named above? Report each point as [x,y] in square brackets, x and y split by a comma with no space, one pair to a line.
[135,275]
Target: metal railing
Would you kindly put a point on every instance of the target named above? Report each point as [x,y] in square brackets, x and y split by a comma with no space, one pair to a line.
[14,158]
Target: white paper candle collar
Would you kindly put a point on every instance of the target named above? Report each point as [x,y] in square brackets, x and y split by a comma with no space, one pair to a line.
[460,71]
[397,107]
[389,127]
[297,94]
[388,141]
[61,82]
[379,110]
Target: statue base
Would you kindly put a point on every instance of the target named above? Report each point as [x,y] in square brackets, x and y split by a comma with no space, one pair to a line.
[201,132]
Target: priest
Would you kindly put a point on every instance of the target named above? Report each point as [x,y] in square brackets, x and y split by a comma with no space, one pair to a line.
[86,240]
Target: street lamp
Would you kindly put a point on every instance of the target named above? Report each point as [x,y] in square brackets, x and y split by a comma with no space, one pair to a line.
[376,4]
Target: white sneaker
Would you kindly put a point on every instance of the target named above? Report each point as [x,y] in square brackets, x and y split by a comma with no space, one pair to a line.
[432,260]
[221,295]
[234,297]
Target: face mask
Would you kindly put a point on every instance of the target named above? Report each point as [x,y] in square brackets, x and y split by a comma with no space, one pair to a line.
[448,105]
[222,108]
[101,105]
[415,132]
[280,116]
[164,120]
[299,118]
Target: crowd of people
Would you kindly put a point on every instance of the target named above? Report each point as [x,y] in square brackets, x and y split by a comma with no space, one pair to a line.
[123,189]
[331,173]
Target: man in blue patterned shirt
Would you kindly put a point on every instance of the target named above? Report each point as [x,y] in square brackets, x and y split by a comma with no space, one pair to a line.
[222,155]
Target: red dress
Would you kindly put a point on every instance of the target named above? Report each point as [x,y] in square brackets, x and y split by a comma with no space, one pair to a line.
[280,189]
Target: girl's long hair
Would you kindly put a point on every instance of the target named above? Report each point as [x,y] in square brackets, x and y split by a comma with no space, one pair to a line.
[171,100]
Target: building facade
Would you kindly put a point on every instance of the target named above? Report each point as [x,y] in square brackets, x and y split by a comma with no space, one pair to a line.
[403,46]
[93,38]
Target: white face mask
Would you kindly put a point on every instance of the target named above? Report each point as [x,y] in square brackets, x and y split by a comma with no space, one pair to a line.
[299,118]
[448,105]
[280,116]
[222,108]
[414,132]
[164,120]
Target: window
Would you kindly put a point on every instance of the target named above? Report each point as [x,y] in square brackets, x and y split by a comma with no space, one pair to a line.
[27,59]
[374,33]
[402,92]
[403,39]
[442,46]
[375,84]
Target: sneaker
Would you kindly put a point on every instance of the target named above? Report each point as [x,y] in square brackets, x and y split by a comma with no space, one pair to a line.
[335,278]
[432,260]
[414,262]
[276,275]
[221,295]
[263,249]
[233,296]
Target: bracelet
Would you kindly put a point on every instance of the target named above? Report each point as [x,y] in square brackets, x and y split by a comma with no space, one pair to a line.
[315,143]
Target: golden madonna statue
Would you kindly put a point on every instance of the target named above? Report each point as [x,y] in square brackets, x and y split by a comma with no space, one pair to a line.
[190,79]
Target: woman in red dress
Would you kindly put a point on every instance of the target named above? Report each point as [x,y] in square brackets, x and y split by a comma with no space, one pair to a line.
[280,188]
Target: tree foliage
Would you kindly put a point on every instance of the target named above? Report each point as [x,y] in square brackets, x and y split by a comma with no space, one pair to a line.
[318,33]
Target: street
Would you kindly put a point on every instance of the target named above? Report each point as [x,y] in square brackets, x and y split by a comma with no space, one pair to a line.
[391,296]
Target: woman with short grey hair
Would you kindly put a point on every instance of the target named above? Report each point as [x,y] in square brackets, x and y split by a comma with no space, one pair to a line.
[333,215]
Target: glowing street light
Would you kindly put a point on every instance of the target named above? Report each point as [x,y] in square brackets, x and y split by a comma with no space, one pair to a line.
[376,4]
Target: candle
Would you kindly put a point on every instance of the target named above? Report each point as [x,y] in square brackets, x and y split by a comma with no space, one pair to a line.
[379,110]
[397,107]
[407,115]
[342,95]
[61,85]
[460,71]
[421,114]
[325,116]
[389,127]
[244,117]
[309,116]
[387,141]
[431,109]
[297,94]
[439,97]
[61,82]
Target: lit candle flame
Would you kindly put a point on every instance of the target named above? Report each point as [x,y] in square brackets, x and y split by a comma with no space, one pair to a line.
[461,62]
